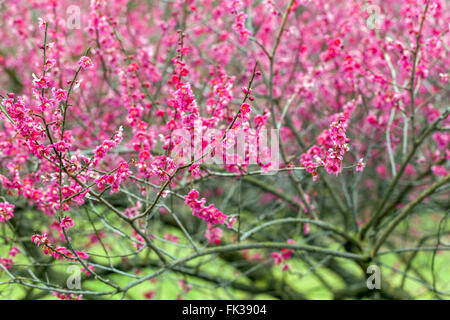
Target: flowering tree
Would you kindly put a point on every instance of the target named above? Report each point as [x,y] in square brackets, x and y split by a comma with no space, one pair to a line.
[224,148]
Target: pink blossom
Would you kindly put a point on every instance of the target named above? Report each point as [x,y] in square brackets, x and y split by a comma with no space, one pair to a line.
[439,171]
[213,235]
[245,108]
[59,94]
[42,23]
[85,62]
[66,222]
[6,211]
[306,229]
[42,82]
[149,294]
[360,165]
[7,263]
[50,63]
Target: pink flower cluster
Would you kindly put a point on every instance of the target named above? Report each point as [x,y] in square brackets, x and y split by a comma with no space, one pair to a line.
[107,145]
[114,180]
[65,296]
[66,222]
[57,252]
[85,62]
[331,146]
[170,237]
[24,122]
[213,235]
[9,262]
[149,294]
[59,94]
[6,211]
[210,214]
[283,256]
[239,25]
